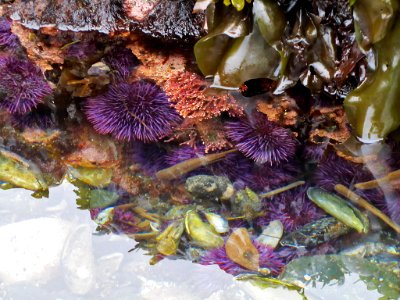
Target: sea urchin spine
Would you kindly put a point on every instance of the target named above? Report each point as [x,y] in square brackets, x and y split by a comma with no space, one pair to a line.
[136,111]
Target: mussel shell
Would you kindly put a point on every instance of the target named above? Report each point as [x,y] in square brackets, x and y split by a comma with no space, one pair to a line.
[271,234]
[201,233]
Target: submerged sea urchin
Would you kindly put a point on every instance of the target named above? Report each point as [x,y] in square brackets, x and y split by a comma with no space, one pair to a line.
[137,111]
[262,140]
[151,157]
[7,38]
[292,208]
[22,86]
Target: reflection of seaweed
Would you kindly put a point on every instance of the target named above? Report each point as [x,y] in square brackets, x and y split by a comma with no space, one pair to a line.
[90,197]
[265,283]
[331,270]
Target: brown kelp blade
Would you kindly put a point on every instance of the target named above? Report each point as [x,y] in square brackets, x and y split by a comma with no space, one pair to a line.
[189,165]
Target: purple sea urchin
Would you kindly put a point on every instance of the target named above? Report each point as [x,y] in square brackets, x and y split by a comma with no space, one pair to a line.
[22,86]
[81,51]
[7,38]
[121,61]
[151,157]
[268,259]
[334,170]
[292,208]
[264,178]
[262,140]
[42,119]
[137,111]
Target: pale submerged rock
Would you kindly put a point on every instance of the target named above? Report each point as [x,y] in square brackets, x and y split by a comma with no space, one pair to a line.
[29,256]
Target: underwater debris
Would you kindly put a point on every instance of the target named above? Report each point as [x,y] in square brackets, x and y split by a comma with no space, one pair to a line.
[372,184]
[282,189]
[240,249]
[269,261]
[246,203]
[168,240]
[184,167]
[365,204]
[219,223]
[19,172]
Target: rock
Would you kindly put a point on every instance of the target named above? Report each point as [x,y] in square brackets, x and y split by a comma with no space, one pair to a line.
[246,203]
[76,15]
[172,21]
[205,187]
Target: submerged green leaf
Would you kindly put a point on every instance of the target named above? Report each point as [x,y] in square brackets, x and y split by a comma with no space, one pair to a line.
[19,172]
[267,282]
[89,197]
[339,208]
[97,177]
[332,270]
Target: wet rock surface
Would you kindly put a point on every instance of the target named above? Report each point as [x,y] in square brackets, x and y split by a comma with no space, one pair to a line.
[204,187]
[100,15]
[172,21]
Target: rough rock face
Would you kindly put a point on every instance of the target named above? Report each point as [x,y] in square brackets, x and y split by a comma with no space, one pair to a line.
[77,15]
[171,21]
[139,9]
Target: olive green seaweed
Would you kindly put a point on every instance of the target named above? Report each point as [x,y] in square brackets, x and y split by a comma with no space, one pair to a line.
[373,108]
